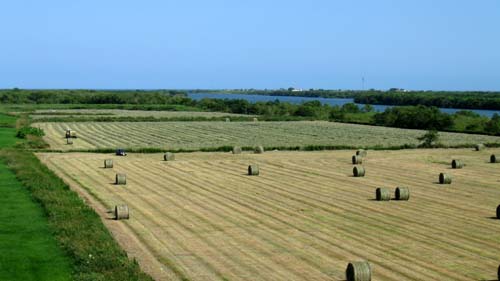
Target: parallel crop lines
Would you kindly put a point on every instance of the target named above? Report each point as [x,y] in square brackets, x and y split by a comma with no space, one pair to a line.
[305,216]
[195,135]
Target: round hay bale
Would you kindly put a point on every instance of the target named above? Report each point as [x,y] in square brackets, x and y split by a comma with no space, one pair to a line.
[382,194]
[253,170]
[358,271]
[356,159]
[479,147]
[259,149]
[108,163]
[228,120]
[493,158]
[255,120]
[498,212]
[444,178]
[236,150]
[402,193]
[169,156]
[358,171]
[361,152]
[121,212]
[73,134]
[69,141]
[121,179]
[457,164]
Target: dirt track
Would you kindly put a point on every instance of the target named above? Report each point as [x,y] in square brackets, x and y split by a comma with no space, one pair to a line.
[202,218]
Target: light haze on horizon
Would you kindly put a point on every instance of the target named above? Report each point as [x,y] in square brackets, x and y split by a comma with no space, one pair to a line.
[153,44]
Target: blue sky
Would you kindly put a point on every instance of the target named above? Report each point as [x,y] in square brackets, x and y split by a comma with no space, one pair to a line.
[424,44]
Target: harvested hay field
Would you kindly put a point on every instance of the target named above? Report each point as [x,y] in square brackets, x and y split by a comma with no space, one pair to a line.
[196,135]
[305,217]
[96,113]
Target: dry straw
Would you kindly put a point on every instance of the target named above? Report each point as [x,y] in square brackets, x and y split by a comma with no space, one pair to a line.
[356,159]
[121,179]
[479,147]
[457,164]
[236,150]
[493,158]
[444,178]
[259,149]
[361,152]
[253,170]
[358,171]
[169,156]
[402,193]
[70,134]
[382,194]
[358,271]
[108,163]
[121,212]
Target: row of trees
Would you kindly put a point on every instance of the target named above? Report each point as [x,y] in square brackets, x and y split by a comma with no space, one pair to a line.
[18,96]
[466,100]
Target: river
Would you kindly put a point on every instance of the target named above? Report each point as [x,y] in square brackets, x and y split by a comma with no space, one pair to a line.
[329,101]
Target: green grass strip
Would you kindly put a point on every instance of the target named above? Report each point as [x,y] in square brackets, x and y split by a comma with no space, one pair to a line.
[92,251]
[28,248]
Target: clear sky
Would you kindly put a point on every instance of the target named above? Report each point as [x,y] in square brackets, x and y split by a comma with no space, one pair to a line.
[412,44]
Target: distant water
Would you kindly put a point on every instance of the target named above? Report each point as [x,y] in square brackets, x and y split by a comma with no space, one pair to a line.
[329,101]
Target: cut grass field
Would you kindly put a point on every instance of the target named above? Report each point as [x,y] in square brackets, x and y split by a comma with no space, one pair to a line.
[196,135]
[304,217]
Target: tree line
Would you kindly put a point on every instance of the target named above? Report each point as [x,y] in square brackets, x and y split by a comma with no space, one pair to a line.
[19,96]
[465,100]
[413,117]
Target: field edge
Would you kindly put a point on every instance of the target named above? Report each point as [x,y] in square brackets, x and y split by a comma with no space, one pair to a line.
[93,252]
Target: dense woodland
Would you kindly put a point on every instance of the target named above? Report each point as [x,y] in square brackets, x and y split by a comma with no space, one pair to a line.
[415,117]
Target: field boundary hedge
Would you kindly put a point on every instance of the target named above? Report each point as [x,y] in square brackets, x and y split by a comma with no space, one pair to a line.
[147,150]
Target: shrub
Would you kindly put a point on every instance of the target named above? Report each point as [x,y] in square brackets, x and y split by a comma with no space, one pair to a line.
[23,132]
[429,139]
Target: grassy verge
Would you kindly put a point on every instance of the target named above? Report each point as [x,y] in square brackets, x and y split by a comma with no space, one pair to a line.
[92,251]
[28,248]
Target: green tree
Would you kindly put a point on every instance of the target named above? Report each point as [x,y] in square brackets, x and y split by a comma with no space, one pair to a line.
[368,108]
[493,125]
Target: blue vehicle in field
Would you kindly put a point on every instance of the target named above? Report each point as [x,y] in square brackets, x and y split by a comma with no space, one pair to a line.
[121,152]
